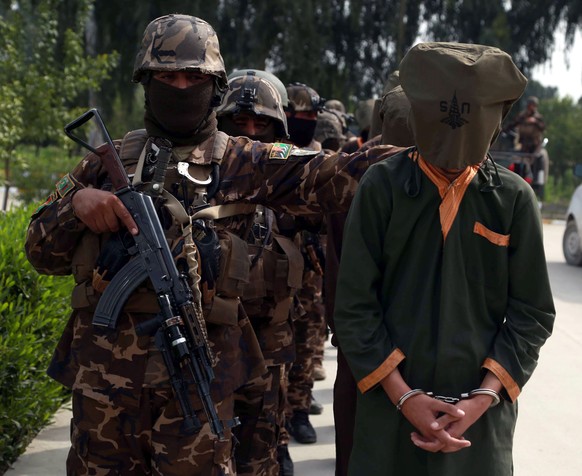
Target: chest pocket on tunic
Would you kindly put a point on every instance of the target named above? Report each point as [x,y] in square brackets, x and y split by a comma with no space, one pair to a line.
[487,262]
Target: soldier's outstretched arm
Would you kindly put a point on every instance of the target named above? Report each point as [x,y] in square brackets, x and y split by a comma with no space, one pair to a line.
[296,181]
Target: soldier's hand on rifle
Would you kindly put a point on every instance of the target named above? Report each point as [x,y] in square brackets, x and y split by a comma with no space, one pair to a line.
[102,211]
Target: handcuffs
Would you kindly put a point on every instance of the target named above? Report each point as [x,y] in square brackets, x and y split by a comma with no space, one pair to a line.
[452,400]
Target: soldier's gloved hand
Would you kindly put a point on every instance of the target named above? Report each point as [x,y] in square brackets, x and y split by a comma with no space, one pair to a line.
[102,211]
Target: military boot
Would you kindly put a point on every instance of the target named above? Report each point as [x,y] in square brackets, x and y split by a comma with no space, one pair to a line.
[315,408]
[301,429]
[284,460]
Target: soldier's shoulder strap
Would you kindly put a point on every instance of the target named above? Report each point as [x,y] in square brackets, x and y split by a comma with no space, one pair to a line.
[223,211]
[220,145]
[132,144]
[134,141]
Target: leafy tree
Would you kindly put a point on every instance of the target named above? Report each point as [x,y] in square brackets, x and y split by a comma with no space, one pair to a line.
[563,118]
[11,103]
[526,29]
[44,71]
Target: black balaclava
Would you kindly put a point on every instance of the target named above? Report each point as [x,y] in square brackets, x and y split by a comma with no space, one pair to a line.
[184,116]
[301,131]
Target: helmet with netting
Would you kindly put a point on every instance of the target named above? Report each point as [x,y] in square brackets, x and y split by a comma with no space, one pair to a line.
[251,93]
[180,43]
[303,98]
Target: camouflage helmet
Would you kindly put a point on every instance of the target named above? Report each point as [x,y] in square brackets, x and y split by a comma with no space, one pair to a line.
[180,43]
[274,80]
[329,127]
[336,105]
[251,93]
[303,98]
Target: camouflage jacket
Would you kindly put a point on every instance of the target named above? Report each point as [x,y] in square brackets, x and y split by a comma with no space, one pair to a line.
[115,366]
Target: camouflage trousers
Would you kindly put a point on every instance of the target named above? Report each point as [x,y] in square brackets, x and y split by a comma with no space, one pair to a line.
[260,405]
[110,440]
[308,328]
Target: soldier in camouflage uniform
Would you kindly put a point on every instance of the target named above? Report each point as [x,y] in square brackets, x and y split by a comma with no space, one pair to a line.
[329,130]
[335,105]
[126,419]
[309,324]
[252,107]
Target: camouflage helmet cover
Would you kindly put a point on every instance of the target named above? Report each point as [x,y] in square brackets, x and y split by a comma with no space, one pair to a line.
[274,80]
[180,43]
[335,104]
[255,94]
[303,98]
[329,126]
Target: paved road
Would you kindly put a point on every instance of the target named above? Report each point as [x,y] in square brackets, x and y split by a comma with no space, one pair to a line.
[47,453]
[547,438]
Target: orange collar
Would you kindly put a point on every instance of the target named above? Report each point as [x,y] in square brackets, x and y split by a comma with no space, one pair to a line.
[451,192]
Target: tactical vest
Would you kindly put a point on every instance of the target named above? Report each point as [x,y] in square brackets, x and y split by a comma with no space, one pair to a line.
[276,269]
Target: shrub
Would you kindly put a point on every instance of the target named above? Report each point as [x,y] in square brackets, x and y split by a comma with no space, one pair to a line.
[33,312]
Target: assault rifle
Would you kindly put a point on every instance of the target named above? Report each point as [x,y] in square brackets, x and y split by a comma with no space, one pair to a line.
[179,328]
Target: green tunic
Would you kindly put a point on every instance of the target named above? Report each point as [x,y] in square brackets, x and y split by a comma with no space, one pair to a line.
[447,305]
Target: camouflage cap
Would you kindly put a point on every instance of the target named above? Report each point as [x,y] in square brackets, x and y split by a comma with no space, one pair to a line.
[274,80]
[254,94]
[180,43]
[303,98]
[459,94]
[329,126]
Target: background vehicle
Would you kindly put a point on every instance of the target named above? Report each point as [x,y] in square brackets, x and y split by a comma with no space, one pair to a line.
[572,243]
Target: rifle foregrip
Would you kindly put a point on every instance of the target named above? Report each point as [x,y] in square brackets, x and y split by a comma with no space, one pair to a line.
[112,163]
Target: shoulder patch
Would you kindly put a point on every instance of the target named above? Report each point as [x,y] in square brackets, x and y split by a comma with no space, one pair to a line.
[53,197]
[65,185]
[280,151]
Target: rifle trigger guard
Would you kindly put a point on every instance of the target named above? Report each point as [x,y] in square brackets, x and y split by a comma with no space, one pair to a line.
[183,170]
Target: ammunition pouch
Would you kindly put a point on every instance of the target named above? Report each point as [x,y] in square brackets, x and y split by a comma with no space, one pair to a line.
[224,311]
[233,275]
[274,279]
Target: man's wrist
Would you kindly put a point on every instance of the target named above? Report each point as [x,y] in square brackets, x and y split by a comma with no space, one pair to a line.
[495,396]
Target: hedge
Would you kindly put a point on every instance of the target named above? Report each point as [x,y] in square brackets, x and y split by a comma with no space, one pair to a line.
[33,311]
